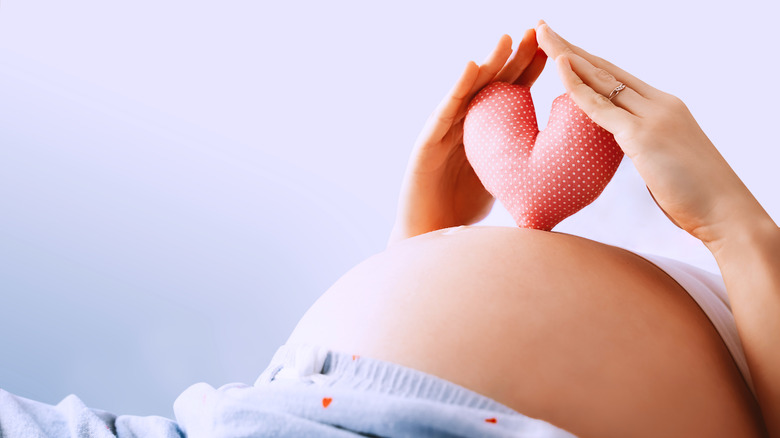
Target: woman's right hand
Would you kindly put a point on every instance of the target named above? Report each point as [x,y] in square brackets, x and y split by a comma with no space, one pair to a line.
[685,173]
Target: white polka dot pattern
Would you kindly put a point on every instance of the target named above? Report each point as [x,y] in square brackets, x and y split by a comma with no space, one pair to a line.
[540,177]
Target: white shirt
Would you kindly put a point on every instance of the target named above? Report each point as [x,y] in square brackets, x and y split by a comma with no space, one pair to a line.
[709,292]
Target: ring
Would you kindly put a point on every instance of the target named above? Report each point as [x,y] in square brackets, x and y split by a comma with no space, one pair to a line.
[621,86]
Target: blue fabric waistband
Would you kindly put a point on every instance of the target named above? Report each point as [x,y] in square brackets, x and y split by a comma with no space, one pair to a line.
[369,396]
[313,364]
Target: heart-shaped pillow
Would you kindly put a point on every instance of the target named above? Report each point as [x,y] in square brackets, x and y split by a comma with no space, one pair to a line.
[540,177]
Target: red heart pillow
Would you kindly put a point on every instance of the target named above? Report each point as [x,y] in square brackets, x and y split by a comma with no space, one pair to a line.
[540,177]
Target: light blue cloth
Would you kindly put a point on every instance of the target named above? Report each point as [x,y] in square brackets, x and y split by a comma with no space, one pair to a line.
[21,417]
[306,391]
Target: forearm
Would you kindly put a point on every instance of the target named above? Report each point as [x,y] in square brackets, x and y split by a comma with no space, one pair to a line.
[749,260]
[402,231]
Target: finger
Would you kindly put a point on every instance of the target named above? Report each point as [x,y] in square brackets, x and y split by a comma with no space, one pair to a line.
[534,69]
[596,106]
[492,65]
[602,82]
[555,45]
[519,60]
[449,108]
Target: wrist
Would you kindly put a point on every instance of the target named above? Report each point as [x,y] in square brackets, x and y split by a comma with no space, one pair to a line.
[403,230]
[748,233]
[396,235]
[735,218]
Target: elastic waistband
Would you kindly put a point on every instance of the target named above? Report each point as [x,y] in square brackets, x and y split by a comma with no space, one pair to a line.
[309,364]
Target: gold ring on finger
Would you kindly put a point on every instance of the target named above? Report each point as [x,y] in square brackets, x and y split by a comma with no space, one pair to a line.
[621,86]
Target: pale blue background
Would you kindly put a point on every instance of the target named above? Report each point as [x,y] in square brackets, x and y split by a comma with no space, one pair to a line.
[180,180]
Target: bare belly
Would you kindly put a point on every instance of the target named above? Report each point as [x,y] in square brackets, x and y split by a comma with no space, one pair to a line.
[586,336]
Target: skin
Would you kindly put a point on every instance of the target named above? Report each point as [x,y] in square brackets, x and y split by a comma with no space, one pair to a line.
[697,189]
[589,337]
[440,189]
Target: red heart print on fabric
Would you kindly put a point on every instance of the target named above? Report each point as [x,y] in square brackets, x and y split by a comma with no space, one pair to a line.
[326,402]
[544,177]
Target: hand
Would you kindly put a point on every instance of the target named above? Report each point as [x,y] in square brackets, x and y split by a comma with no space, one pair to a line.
[440,189]
[686,175]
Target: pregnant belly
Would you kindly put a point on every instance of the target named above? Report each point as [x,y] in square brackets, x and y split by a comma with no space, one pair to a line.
[589,337]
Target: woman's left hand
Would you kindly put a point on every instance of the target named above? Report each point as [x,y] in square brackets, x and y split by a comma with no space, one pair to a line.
[686,175]
[440,188]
